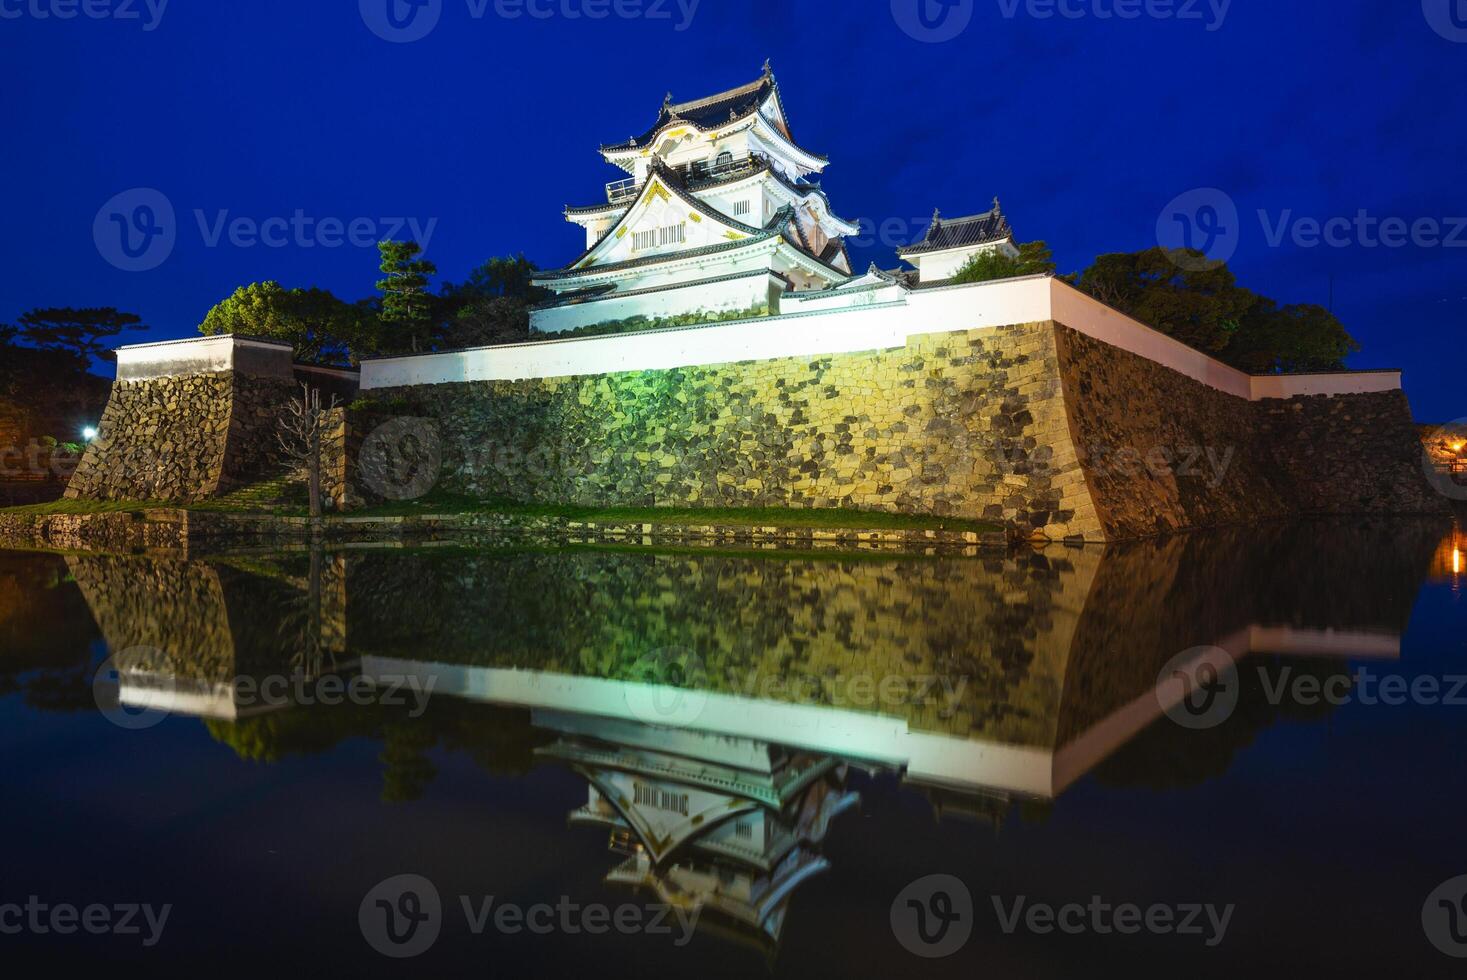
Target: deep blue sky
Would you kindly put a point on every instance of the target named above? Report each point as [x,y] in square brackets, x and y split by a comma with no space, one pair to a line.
[1087,127]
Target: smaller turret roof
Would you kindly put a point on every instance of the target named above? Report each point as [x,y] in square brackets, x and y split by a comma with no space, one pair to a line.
[975,229]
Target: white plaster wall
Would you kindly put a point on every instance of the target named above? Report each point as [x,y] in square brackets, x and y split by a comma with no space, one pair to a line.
[936,266]
[196,355]
[938,310]
[1341,383]
[856,330]
[1089,316]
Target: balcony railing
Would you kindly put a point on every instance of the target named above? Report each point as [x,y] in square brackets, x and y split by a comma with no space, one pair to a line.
[619,191]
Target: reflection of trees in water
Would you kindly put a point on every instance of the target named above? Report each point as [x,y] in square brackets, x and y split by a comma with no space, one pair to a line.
[47,636]
[498,740]
[1168,756]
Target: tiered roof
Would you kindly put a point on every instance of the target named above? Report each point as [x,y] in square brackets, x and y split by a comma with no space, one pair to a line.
[975,229]
[662,176]
[717,112]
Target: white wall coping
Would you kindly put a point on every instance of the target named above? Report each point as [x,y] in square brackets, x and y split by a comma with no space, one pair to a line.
[205,340]
[878,326]
[1332,383]
[195,355]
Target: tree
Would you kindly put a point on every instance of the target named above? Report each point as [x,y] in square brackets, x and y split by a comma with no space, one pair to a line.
[407,306]
[1201,304]
[492,306]
[319,326]
[1296,338]
[302,429]
[49,390]
[82,333]
[488,320]
[503,275]
[1034,259]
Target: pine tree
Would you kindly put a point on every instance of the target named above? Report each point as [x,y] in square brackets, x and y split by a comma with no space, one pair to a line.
[407,306]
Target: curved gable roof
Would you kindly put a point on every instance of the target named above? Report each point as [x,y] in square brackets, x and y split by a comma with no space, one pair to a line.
[977,229]
[664,180]
[715,112]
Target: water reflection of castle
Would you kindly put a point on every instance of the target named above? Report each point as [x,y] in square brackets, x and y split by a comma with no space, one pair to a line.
[709,823]
[1052,660]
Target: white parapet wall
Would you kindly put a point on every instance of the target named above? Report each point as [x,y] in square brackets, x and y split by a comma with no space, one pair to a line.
[203,355]
[878,326]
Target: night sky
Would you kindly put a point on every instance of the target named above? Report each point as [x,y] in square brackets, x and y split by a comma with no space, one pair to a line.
[1088,126]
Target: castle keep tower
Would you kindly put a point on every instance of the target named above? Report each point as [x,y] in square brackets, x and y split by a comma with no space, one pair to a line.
[717,220]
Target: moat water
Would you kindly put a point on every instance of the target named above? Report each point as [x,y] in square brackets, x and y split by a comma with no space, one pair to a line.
[1204,755]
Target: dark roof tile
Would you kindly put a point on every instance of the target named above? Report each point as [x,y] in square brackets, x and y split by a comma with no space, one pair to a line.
[976,229]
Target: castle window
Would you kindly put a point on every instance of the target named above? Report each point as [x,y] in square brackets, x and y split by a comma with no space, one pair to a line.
[741,207]
[660,798]
[654,237]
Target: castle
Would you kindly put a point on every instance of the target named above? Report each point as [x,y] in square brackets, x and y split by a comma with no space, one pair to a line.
[719,219]
[713,347]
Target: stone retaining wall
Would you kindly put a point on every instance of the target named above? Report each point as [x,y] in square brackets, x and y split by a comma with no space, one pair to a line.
[1043,428]
[1162,452]
[184,438]
[968,424]
[1053,432]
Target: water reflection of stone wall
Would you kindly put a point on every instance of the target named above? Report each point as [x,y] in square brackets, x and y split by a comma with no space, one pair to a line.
[211,621]
[997,632]
[1155,599]
[1034,650]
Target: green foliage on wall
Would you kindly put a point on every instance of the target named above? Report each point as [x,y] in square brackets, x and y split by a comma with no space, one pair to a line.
[1034,259]
[1200,303]
[636,324]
